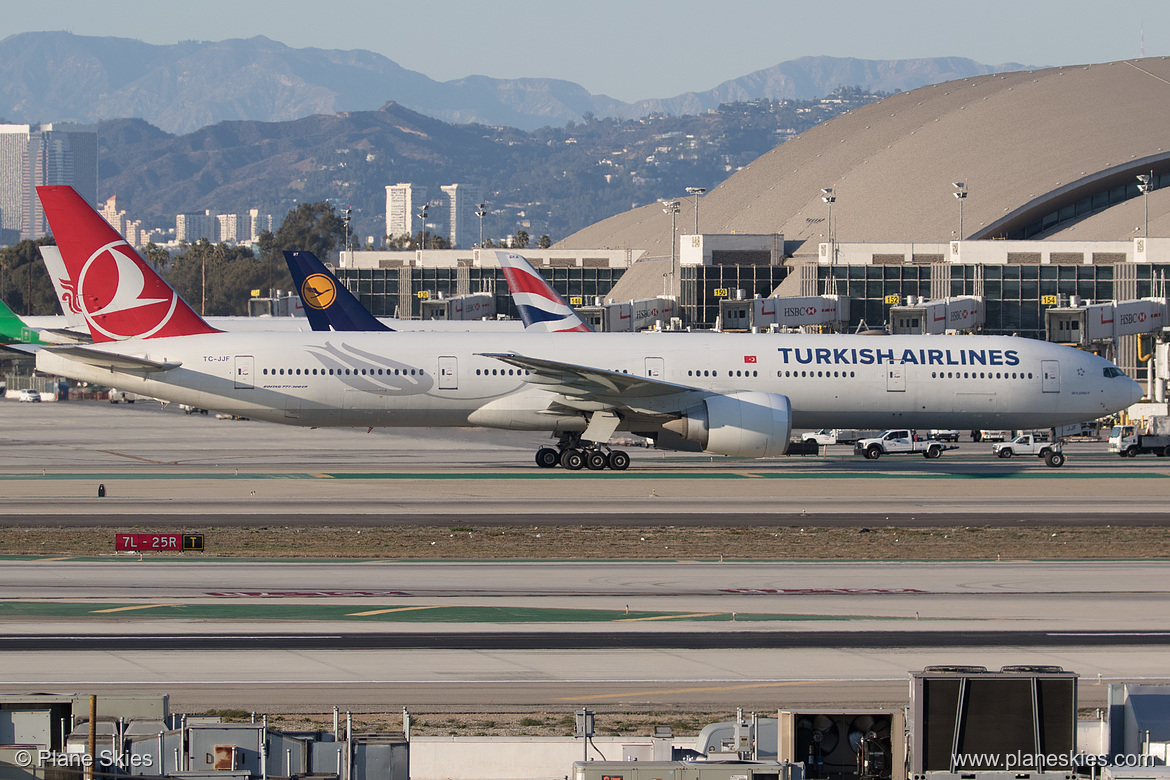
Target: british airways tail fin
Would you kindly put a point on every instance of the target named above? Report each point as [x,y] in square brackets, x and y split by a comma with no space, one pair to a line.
[119,294]
[328,304]
[541,308]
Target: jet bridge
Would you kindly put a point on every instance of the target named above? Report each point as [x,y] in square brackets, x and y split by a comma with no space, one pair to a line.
[936,317]
[824,311]
[1090,324]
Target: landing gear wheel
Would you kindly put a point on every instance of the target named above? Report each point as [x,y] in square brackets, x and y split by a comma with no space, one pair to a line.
[618,460]
[547,458]
[572,460]
[1054,459]
[595,460]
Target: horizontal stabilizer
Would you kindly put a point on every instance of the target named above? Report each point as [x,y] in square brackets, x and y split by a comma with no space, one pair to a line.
[112,360]
[67,336]
[22,349]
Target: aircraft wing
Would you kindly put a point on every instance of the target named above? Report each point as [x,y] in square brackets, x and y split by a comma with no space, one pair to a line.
[112,360]
[583,382]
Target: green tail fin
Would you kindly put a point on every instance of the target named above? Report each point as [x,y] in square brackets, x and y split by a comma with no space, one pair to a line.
[13,330]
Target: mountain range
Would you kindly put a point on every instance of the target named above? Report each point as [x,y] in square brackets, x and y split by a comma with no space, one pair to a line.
[181,87]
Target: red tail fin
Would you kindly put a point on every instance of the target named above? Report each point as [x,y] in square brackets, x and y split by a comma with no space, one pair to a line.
[120,295]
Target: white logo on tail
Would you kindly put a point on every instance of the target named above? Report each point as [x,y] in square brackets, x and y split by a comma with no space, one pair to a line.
[128,293]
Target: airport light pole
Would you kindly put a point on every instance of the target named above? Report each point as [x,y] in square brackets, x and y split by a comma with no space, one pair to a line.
[696,191]
[672,208]
[1145,184]
[828,197]
[481,212]
[422,227]
[345,215]
[961,194]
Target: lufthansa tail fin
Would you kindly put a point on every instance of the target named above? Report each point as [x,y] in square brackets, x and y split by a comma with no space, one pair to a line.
[328,304]
[119,294]
[540,306]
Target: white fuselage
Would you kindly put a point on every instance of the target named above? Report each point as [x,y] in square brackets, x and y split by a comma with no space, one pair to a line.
[443,379]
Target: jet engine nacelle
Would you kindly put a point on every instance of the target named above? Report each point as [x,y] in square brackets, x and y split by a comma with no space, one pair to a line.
[749,424]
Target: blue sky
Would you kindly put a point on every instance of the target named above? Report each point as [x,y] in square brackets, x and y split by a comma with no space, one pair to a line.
[634,49]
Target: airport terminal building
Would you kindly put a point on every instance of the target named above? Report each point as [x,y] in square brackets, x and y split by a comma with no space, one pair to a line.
[1029,191]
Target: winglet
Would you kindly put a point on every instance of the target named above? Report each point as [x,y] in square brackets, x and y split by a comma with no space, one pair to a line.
[328,304]
[119,294]
[540,306]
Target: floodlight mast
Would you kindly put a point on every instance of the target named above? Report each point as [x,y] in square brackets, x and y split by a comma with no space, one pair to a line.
[696,191]
[961,194]
[672,208]
[828,197]
[1145,184]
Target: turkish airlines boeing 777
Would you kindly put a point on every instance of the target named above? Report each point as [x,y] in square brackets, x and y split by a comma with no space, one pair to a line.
[732,394]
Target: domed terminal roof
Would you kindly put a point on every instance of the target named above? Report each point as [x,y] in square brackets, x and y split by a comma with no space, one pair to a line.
[1040,153]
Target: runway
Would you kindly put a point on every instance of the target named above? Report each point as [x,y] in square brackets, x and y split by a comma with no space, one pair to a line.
[154,461]
[379,634]
[478,636]
[571,640]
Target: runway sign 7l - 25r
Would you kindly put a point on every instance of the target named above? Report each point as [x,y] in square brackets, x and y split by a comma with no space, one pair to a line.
[158,542]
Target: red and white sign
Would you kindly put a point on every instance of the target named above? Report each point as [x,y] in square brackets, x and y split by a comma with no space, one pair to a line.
[749,358]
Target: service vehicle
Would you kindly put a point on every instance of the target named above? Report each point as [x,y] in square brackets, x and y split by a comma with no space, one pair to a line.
[944,434]
[1036,444]
[897,441]
[838,435]
[1130,440]
[29,396]
[994,435]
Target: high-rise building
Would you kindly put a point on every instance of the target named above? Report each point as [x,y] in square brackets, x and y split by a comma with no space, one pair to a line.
[192,227]
[462,223]
[259,223]
[56,155]
[13,155]
[404,202]
[234,228]
[115,216]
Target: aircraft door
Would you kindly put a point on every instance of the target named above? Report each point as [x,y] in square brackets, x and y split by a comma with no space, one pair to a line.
[243,374]
[1050,371]
[448,373]
[654,367]
[896,379]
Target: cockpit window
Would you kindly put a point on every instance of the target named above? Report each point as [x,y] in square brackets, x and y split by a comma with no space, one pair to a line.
[1113,371]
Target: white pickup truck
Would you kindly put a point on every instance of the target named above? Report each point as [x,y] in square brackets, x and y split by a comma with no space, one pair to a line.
[898,441]
[1031,444]
[837,435]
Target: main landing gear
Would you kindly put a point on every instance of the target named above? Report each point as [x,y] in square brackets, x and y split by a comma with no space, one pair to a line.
[573,454]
